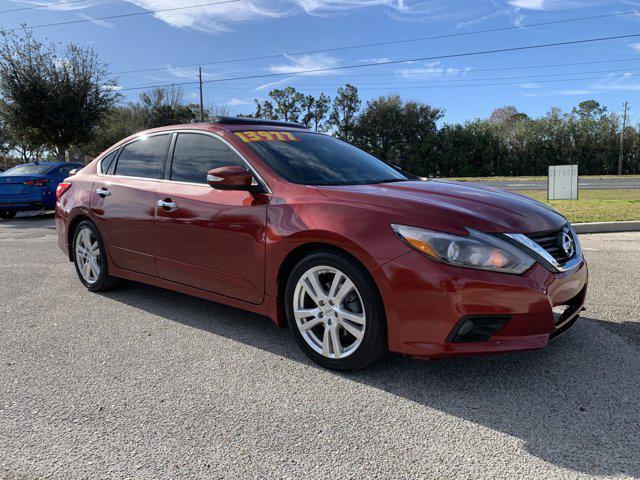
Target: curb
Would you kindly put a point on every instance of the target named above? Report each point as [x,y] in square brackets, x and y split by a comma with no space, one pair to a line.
[607,227]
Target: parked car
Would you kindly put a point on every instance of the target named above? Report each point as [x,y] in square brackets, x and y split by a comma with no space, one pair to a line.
[32,186]
[356,257]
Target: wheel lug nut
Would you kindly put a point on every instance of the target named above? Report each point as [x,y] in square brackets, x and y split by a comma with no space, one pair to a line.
[330,302]
[320,315]
[321,303]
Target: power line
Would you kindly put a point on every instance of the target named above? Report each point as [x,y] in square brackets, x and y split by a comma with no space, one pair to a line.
[475,70]
[49,5]
[395,62]
[385,43]
[518,83]
[449,80]
[498,83]
[123,15]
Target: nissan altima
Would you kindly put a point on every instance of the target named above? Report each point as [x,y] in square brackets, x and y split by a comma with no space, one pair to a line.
[356,257]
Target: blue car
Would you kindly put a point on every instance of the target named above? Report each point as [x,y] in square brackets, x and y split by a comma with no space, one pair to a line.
[32,186]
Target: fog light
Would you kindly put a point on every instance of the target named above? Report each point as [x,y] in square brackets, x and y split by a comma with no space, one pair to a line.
[465,328]
[478,328]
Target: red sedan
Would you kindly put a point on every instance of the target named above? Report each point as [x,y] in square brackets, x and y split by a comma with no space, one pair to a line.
[355,256]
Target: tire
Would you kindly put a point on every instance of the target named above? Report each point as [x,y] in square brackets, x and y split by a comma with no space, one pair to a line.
[351,317]
[8,214]
[98,280]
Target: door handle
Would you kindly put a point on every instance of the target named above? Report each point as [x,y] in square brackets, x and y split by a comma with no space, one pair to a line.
[103,192]
[168,206]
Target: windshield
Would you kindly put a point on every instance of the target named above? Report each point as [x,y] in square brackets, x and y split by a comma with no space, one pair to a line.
[312,159]
[29,169]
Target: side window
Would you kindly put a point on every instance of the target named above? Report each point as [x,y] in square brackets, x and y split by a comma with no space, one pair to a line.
[107,161]
[144,157]
[64,171]
[195,154]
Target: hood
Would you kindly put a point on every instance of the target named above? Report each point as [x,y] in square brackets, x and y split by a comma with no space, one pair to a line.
[441,204]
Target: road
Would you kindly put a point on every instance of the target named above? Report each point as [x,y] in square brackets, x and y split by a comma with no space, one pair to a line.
[145,383]
[587,184]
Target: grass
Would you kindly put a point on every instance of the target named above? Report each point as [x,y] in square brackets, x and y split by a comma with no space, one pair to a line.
[595,205]
[532,179]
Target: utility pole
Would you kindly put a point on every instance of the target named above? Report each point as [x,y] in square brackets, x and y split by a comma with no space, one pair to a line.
[201,101]
[624,125]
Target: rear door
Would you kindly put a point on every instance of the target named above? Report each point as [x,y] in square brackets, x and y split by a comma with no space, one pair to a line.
[210,239]
[123,202]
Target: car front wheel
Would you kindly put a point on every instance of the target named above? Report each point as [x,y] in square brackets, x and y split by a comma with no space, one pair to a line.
[335,312]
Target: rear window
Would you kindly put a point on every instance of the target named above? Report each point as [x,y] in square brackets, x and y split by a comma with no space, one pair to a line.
[144,157]
[31,169]
[313,159]
[106,162]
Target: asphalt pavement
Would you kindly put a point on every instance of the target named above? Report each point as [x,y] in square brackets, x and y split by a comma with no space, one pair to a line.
[584,183]
[145,383]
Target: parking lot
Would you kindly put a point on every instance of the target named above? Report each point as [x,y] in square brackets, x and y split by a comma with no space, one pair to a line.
[140,382]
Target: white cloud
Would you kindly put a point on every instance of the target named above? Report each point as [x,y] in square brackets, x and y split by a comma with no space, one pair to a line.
[300,63]
[233,102]
[375,60]
[550,4]
[273,84]
[529,86]
[561,93]
[100,23]
[432,69]
[63,6]
[218,18]
[222,17]
[635,46]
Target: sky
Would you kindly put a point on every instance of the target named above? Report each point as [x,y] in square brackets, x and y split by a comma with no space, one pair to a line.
[224,38]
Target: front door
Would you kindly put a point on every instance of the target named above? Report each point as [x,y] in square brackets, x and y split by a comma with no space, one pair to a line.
[206,238]
[123,203]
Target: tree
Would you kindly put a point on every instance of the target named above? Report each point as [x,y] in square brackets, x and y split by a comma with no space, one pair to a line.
[400,133]
[506,116]
[344,112]
[287,103]
[119,123]
[265,110]
[216,110]
[314,110]
[56,97]
[163,106]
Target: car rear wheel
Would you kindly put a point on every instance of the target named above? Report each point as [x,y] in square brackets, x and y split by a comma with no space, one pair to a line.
[90,258]
[335,312]
[7,214]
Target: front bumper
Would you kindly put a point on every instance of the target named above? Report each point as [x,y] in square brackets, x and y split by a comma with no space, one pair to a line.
[427,301]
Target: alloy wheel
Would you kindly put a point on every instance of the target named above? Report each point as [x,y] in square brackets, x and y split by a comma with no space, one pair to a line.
[88,255]
[329,312]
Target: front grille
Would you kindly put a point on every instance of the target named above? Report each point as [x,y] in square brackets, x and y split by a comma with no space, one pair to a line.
[551,241]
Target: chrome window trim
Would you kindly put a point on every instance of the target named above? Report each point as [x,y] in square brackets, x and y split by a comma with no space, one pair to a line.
[251,169]
[538,250]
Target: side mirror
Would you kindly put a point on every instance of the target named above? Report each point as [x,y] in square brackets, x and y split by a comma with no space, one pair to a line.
[230,178]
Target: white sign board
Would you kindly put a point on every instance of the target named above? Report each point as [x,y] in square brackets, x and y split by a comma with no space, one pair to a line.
[563,182]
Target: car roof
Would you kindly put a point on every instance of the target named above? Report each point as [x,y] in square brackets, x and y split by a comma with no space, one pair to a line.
[49,164]
[225,123]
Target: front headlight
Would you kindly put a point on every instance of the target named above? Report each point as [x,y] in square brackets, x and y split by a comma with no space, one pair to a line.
[477,250]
